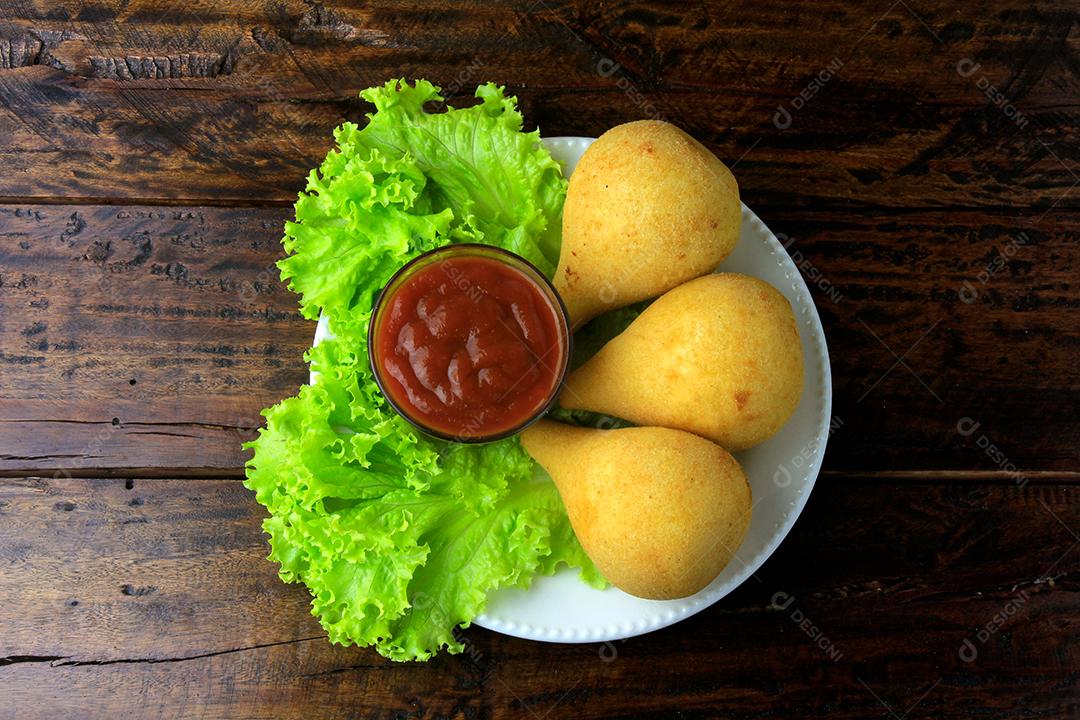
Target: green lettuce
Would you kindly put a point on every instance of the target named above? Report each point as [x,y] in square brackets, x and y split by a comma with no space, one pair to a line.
[400,537]
[410,181]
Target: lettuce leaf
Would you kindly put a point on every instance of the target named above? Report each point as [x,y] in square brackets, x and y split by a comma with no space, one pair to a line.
[410,181]
[398,536]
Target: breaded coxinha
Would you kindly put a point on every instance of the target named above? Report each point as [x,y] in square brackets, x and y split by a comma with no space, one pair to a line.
[661,512]
[714,365]
[719,356]
[648,208]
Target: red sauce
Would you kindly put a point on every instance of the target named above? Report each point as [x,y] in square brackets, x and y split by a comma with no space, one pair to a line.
[470,346]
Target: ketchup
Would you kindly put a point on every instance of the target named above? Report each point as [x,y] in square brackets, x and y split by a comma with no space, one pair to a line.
[470,346]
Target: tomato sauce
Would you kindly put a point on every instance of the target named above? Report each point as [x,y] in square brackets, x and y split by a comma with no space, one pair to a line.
[470,346]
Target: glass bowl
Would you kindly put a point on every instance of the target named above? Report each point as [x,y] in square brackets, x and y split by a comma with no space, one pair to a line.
[531,275]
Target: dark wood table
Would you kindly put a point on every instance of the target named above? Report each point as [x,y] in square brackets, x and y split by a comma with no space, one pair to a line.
[921,160]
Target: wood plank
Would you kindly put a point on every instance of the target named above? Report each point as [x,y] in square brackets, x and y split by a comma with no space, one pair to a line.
[548,43]
[321,50]
[141,337]
[189,144]
[199,104]
[184,301]
[892,602]
[982,308]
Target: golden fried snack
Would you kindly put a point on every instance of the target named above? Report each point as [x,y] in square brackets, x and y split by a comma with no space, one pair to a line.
[719,356]
[660,512]
[648,208]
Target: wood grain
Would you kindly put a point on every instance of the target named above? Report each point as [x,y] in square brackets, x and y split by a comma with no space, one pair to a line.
[950,334]
[550,42]
[149,100]
[141,337]
[147,339]
[97,573]
[921,161]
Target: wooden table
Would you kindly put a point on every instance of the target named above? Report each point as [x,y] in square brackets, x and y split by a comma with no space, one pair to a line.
[920,158]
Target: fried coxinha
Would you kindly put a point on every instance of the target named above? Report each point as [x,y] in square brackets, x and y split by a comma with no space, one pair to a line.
[713,365]
[661,512]
[648,208]
[719,356]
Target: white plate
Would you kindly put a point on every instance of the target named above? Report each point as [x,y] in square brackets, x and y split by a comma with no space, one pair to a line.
[781,471]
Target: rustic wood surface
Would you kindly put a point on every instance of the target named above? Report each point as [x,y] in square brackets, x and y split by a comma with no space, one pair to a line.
[153,594]
[154,335]
[920,159]
[148,100]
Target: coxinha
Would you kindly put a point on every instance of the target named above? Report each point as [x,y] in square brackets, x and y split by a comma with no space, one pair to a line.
[714,365]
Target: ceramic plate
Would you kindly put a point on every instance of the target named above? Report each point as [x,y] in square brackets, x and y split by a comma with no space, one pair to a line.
[781,471]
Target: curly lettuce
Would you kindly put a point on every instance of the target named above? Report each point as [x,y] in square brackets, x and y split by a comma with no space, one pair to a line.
[400,537]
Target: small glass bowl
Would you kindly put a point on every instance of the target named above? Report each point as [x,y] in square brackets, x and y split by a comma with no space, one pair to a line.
[448,252]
